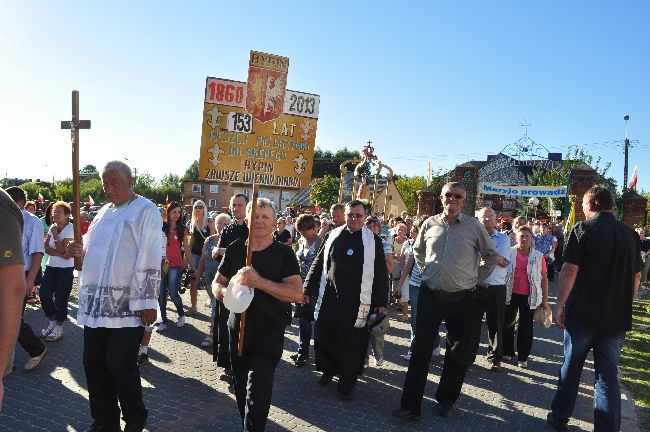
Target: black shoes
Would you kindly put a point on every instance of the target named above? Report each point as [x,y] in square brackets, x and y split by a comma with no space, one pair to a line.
[346,396]
[558,425]
[143,359]
[94,427]
[227,376]
[325,379]
[300,361]
[444,410]
[407,415]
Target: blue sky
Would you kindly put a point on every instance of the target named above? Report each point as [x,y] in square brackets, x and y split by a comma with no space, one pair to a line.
[425,81]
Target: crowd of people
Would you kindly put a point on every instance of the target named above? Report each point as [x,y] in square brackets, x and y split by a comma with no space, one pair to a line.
[336,272]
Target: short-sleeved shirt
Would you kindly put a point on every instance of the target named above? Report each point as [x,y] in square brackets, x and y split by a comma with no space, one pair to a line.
[173,251]
[544,243]
[608,257]
[521,284]
[407,251]
[266,316]
[233,231]
[282,237]
[57,261]
[33,238]
[11,220]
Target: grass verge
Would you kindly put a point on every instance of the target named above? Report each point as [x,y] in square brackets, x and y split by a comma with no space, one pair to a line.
[635,358]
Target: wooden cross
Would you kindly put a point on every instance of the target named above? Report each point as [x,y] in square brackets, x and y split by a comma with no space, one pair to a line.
[74,127]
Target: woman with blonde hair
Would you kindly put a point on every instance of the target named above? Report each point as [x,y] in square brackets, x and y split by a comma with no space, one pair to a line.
[201,227]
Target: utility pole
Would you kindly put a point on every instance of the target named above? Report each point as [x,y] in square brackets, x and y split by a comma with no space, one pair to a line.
[627,146]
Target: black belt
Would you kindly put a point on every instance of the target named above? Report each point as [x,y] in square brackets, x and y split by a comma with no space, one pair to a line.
[452,296]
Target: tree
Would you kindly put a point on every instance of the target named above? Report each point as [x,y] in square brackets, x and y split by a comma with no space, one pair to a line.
[327,162]
[144,184]
[33,190]
[559,175]
[171,181]
[192,172]
[325,191]
[407,187]
[91,187]
[89,171]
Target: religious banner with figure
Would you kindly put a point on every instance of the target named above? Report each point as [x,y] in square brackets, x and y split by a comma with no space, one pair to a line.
[258,131]
[522,191]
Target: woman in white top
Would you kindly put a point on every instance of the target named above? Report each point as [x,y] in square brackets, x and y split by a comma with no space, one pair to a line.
[58,276]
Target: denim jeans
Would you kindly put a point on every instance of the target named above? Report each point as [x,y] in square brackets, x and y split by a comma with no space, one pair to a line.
[170,283]
[55,291]
[578,341]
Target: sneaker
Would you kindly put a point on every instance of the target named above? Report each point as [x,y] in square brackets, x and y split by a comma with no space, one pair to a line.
[558,425]
[48,330]
[207,342]
[55,335]
[181,321]
[161,327]
[379,362]
[33,362]
[143,359]
[407,356]
[522,364]
[436,352]
[508,359]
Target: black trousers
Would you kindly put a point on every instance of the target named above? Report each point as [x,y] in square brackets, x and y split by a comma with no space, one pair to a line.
[493,303]
[460,313]
[518,303]
[112,374]
[26,337]
[254,374]
[221,345]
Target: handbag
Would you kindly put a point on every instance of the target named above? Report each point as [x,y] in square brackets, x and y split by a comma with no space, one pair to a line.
[543,317]
[164,266]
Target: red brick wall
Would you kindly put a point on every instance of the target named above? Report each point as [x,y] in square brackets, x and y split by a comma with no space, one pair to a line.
[634,210]
[582,179]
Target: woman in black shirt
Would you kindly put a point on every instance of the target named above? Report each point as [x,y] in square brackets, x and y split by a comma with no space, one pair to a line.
[201,227]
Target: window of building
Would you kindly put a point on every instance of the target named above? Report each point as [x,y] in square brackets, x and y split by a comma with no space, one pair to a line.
[214,188]
[196,188]
[272,197]
[212,203]
[260,194]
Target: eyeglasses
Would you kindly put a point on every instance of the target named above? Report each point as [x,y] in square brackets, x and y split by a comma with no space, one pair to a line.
[455,195]
[199,207]
[355,215]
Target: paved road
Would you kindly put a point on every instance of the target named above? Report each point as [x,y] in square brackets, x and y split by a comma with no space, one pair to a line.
[183,393]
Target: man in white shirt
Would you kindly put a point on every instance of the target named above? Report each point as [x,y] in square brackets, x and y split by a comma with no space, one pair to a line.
[118,294]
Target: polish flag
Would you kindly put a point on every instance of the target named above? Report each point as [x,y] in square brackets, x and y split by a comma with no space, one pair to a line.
[40,198]
[90,201]
[634,178]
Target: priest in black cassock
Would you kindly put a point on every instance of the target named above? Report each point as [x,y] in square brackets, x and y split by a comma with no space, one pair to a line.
[347,282]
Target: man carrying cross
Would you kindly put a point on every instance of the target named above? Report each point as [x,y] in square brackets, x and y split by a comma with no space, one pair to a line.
[118,294]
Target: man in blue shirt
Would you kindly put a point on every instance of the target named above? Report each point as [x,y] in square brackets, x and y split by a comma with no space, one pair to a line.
[546,244]
[493,291]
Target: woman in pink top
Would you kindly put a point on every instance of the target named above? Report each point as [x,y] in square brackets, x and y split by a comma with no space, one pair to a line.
[526,290]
